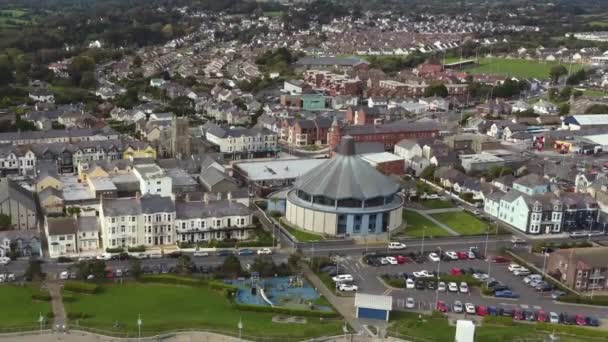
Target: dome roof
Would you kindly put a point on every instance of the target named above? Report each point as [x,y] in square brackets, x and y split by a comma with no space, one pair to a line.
[346,176]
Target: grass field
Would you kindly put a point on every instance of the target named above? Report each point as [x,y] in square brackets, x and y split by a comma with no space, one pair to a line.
[595,93]
[273,13]
[462,222]
[416,224]
[436,204]
[19,308]
[438,330]
[513,67]
[300,234]
[169,307]
[13,18]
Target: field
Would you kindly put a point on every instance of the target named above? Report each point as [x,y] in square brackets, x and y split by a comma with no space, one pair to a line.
[408,326]
[513,67]
[416,224]
[301,235]
[13,18]
[462,222]
[19,308]
[170,307]
[595,93]
[273,13]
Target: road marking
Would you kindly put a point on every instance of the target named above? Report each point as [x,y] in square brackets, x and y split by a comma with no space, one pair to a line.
[507,304]
[387,292]
[537,307]
[360,276]
[524,306]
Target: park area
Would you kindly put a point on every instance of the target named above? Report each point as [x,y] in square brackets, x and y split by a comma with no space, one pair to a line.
[521,68]
[19,309]
[462,222]
[166,307]
[418,225]
[411,326]
[436,204]
[299,234]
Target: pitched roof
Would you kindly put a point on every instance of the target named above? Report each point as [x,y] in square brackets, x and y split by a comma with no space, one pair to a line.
[200,209]
[61,225]
[11,190]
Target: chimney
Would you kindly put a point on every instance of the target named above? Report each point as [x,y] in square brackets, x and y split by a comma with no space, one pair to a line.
[206,198]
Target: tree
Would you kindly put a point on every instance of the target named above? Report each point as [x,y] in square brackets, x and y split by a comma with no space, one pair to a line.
[293,261]
[88,80]
[428,173]
[597,109]
[97,268]
[184,265]
[135,266]
[78,67]
[231,266]
[264,265]
[137,61]
[556,72]
[34,271]
[437,89]
[577,77]
[5,222]
[564,109]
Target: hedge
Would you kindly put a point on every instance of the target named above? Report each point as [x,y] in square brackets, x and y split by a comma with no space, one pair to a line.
[81,287]
[68,297]
[172,280]
[115,250]
[41,295]
[62,260]
[498,320]
[285,311]
[218,285]
[394,282]
[597,300]
[78,315]
[141,248]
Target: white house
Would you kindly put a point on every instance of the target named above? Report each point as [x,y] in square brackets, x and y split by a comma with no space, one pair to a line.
[153,180]
[543,107]
[241,140]
[88,234]
[61,235]
[293,87]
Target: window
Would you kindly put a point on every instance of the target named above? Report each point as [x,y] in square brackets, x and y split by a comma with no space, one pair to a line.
[113,220]
[113,230]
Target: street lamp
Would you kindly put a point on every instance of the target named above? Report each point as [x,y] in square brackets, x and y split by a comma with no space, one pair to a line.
[544,260]
[139,323]
[240,326]
[41,321]
[438,278]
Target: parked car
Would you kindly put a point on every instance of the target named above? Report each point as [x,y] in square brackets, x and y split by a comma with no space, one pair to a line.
[347,287]
[543,287]
[174,255]
[492,311]
[431,284]
[266,251]
[518,315]
[391,260]
[441,287]
[452,255]
[542,316]
[579,234]
[580,320]
[569,319]
[452,287]
[507,312]
[592,321]
[505,294]
[423,274]
[224,252]
[200,254]
[482,310]
[420,284]
[434,257]
[529,315]
[441,306]
[409,283]
[481,276]
[521,272]
[396,245]
[341,278]
[464,287]
[470,308]
[456,272]
[410,303]
[458,308]
[64,275]
[499,259]
[246,252]
[531,277]
[557,294]
[513,267]
[553,317]
[401,259]
[462,255]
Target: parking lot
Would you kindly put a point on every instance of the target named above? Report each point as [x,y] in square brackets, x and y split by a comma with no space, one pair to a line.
[368,279]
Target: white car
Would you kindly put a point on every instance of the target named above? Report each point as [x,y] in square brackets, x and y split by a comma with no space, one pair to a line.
[85,258]
[10,277]
[553,317]
[471,255]
[458,306]
[452,255]
[409,283]
[341,278]
[266,251]
[531,277]
[470,308]
[383,261]
[391,260]
[201,254]
[396,245]
[452,287]
[441,287]
[104,256]
[410,303]
[4,260]
[434,257]
[521,272]
[464,287]
[513,267]
[64,275]
[423,274]
[481,276]
[348,288]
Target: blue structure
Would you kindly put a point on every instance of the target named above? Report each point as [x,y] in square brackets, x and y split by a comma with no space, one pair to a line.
[373,306]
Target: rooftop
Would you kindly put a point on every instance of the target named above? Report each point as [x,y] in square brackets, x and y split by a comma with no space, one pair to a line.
[379,302]
[278,169]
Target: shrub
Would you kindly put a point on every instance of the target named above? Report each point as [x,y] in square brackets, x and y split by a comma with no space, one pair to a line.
[218,285]
[50,315]
[140,248]
[171,279]
[41,295]
[81,287]
[487,291]
[69,297]
[78,315]
[115,250]
[275,214]
[285,311]
[597,300]
[393,281]
[262,204]
[498,320]
[62,260]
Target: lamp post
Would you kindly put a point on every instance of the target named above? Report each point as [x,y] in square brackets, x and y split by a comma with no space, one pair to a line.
[485,252]
[41,321]
[139,323]
[240,326]
[544,260]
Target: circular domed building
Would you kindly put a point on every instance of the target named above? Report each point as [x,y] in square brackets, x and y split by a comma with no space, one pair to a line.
[345,196]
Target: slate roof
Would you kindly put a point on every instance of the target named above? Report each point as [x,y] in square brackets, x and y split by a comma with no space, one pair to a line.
[329,61]
[61,225]
[11,190]
[592,257]
[221,208]
[390,128]
[87,224]
[121,206]
[346,176]
[151,204]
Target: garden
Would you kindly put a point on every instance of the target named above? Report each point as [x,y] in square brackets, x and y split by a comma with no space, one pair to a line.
[418,225]
[23,306]
[462,222]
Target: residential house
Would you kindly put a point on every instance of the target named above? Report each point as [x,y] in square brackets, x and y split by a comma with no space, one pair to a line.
[581,269]
[51,201]
[153,180]
[88,233]
[241,142]
[20,243]
[61,236]
[19,204]
[543,107]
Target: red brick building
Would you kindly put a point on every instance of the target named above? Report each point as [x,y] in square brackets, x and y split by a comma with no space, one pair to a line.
[387,134]
[362,115]
[306,132]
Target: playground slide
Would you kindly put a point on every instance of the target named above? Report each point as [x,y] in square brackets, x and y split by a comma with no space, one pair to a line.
[265,298]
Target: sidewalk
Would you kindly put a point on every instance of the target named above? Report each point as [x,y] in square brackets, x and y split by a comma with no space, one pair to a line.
[344,305]
[54,288]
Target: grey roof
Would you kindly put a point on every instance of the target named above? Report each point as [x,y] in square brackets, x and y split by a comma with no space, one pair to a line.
[212,176]
[369,147]
[11,190]
[61,225]
[329,61]
[407,143]
[391,128]
[221,208]
[531,180]
[156,204]
[87,224]
[121,207]
[19,234]
[346,176]
[48,192]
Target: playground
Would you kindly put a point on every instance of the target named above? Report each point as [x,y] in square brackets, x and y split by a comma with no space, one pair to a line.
[287,292]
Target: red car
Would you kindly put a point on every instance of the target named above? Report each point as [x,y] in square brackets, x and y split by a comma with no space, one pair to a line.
[455,272]
[441,306]
[580,320]
[499,259]
[541,316]
[401,259]
[482,310]
[462,255]
[518,315]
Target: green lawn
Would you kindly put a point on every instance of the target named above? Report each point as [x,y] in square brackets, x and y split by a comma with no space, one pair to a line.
[462,222]
[436,204]
[170,307]
[438,330]
[595,93]
[513,67]
[416,224]
[19,310]
[599,23]
[301,235]
[273,13]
